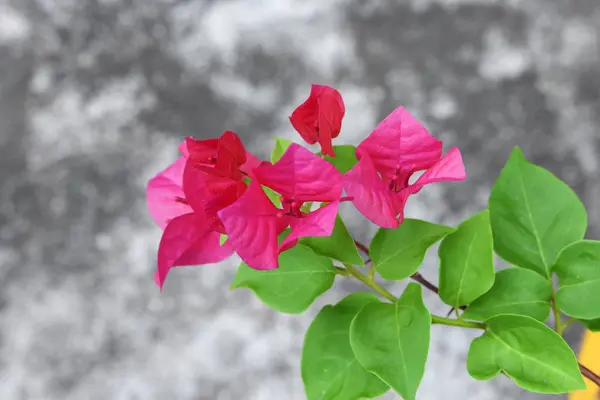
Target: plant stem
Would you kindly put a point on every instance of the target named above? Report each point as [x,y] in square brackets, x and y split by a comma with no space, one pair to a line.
[371,273]
[351,271]
[454,322]
[589,374]
[370,283]
[558,325]
[342,271]
[417,277]
[361,247]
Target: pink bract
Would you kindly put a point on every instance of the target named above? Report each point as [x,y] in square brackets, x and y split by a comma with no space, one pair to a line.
[319,118]
[164,194]
[397,148]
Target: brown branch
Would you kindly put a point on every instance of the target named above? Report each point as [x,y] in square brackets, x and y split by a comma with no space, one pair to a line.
[417,277]
[362,247]
[590,375]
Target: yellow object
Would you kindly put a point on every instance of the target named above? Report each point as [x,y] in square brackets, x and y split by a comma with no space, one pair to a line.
[589,355]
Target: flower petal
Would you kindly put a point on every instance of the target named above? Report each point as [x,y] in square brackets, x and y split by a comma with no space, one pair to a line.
[251,162]
[448,168]
[371,197]
[304,118]
[319,118]
[209,193]
[331,113]
[188,240]
[400,142]
[318,223]
[251,224]
[302,176]
[201,151]
[164,194]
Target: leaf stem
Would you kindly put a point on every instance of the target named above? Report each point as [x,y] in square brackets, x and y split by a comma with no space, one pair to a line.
[342,271]
[367,280]
[590,375]
[370,283]
[361,247]
[455,322]
[558,325]
[371,273]
[417,277]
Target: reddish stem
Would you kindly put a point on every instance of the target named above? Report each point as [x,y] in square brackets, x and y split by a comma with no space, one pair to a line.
[419,278]
[590,375]
[362,247]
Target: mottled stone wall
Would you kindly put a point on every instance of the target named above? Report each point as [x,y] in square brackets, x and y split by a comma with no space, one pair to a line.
[96,94]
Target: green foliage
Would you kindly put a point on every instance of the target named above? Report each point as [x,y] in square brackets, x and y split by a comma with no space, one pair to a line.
[361,347]
[516,291]
[467,261]
[272,195]
[301,278]
[392,340]
[345,157]
[398,253]
[593,325]
[578,270]
[329,368]
[533,215]
[339,246]
[529,352]
[281,145]
[222,239]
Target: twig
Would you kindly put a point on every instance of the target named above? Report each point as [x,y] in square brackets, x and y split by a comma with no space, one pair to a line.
[590,375]
[417,277]
[362,247]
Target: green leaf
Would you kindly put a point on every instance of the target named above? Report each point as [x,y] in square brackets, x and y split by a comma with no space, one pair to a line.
[223,239]
[529,352]
[516,291]
[392,340]
[306,207]
[467,261]
[578,270]
[272,195]
[345,157]
[339,246]
[398,253]
[593,325]
[534,215]
[301,278]
[281,145]
[329,368]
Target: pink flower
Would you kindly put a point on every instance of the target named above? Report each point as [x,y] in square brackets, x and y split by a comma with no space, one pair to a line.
[397,148]
[254,223]
[188,238]
[185,199]
[164,194]
[213,176]
[319,118]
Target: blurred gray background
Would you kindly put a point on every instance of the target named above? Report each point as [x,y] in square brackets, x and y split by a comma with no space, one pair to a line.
[96,94]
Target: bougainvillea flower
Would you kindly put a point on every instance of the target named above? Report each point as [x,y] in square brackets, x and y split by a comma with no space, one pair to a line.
[397,148]
[319,118]
[213,176]
[225,156]
[189,239]
[253,222]
[164,194]
[185,198]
